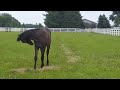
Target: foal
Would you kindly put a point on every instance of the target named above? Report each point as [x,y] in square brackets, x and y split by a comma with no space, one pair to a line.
[41,38]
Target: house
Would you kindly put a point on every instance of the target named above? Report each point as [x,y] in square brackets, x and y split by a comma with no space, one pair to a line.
[89,24]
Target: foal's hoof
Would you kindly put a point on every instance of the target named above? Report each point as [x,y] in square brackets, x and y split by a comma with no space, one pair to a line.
[42,66]
[34,68]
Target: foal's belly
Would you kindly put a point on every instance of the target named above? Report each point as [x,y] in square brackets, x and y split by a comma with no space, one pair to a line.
[40,45]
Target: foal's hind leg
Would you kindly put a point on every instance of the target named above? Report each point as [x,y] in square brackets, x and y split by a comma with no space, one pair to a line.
[47,56]
[42,57]
[35,57]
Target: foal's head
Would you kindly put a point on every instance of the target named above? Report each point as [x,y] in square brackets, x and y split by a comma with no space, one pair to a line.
[24,39]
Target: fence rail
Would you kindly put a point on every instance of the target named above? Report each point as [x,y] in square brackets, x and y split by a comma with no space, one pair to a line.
[9,29]
[109,31]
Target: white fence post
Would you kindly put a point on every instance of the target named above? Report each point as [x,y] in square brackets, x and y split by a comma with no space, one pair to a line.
[66,29]
[53,30]
[75,30]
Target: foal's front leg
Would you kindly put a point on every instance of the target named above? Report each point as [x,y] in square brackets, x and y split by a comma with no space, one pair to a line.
[35,57]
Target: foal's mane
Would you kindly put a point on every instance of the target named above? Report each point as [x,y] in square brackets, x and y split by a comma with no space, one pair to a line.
[25,33]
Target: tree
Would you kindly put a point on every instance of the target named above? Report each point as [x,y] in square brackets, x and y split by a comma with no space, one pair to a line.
[6,20]
[115,17]
[103,22]
[63,19]
[32,25]
[40,25]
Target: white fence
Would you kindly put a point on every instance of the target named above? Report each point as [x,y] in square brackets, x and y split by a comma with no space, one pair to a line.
[109,31]
[9,29]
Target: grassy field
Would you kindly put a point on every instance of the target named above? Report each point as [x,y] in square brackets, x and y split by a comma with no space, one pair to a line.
[72,56]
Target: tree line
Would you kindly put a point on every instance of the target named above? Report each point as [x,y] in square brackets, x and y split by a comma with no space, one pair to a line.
[6,20]
[62,19]
[71,19]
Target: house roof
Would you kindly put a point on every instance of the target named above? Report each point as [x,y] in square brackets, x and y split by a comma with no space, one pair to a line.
[88,21]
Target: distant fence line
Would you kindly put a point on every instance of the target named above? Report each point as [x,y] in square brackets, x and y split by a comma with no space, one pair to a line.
[109,31]
[10,29]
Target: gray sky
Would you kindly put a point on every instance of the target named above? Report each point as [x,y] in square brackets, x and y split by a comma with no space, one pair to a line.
[34,17]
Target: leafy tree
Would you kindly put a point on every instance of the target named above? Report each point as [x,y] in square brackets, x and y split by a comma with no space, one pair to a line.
[103,22]
[115,17]
[63,19]
[6,20]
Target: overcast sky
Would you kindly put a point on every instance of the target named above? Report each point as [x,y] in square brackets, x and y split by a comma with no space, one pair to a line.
[34,17]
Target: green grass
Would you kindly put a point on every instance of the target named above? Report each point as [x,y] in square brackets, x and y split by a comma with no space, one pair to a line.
[98,56]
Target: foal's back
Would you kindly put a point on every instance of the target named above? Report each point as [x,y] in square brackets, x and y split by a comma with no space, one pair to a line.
[44,36]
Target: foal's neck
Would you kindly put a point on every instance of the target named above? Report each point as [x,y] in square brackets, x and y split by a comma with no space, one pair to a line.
[31,34]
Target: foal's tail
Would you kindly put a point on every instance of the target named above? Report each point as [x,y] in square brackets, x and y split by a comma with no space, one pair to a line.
[49,38]
[48,30]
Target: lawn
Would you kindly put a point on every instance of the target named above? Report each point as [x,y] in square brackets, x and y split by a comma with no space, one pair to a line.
[72,56]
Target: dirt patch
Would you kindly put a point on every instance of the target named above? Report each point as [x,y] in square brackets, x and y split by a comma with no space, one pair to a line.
[50,68]
[66,50]
[21,70]
[45,68]
[72,58]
